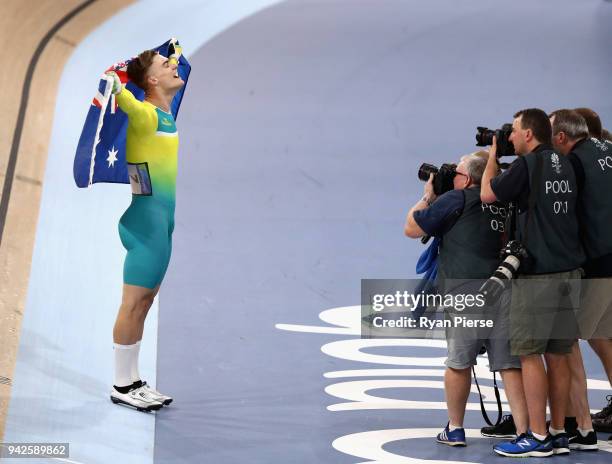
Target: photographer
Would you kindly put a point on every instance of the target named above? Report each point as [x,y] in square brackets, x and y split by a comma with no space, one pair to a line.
[592,121]
[471,236]
[594,178]
[543,187]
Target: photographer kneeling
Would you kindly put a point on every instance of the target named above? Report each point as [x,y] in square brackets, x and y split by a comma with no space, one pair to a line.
[471,238]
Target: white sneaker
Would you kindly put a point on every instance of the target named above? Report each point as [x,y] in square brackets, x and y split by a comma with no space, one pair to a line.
[138,398]
[164,399]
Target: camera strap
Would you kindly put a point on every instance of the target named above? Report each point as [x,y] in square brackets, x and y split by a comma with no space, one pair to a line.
[482,407]
[510,224]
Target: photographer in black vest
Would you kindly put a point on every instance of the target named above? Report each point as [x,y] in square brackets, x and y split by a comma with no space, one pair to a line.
[592,161]
[471,237]
[542,186]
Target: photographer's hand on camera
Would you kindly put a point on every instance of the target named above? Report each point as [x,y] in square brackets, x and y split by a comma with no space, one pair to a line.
[486,192]
[411,228]
[429,196]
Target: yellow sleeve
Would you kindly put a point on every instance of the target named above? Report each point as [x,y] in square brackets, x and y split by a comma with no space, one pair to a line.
[142,117]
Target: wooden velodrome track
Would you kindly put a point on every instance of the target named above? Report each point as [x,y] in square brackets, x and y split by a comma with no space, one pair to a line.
[25,27]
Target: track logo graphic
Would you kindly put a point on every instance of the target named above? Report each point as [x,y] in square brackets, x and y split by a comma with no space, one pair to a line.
[352,387]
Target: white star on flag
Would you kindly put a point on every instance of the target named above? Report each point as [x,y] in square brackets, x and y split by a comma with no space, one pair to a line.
[112,157]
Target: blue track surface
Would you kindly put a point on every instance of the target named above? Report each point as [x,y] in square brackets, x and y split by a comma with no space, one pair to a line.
[300,138]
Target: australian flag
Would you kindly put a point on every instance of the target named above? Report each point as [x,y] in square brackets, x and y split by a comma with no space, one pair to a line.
[100,155]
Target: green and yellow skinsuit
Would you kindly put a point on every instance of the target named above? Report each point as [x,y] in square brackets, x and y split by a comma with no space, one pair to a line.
[146,226]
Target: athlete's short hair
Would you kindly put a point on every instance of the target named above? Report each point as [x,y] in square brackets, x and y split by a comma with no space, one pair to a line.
[138,67]
[606,135]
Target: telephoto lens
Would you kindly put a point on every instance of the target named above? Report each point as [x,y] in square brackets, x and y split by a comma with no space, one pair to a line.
[484,138]
[513,254]
[425,170]
[496,284]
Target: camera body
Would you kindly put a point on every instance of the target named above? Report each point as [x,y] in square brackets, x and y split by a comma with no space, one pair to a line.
[443,176]
[513,255]
[484,137]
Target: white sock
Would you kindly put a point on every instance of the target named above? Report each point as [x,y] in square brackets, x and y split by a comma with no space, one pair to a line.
[538,436]
[583,432]
[135,374]
[555,432]
[123,364]
[452,428]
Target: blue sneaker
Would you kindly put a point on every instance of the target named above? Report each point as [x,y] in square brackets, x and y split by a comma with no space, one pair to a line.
[454,438]
[525,445]
[560,444]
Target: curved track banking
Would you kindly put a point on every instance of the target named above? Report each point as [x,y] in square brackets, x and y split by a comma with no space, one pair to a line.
[34,53]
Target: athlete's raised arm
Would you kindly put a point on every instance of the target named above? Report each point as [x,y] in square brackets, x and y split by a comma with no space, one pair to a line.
[142,117]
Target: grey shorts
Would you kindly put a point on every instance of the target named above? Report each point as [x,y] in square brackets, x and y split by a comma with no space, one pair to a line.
[595,314]
[464,343]
[543,313]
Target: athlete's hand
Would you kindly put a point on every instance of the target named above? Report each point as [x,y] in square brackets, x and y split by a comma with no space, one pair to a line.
[116,82]
[174,51]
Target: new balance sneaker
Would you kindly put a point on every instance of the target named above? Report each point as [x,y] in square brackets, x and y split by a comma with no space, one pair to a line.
[164,399]
[137,398]
[588,443]
[525,445]
[505,429]
[560,444]
[454,438]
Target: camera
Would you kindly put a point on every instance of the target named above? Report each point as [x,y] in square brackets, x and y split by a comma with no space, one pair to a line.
[513,254]
[484,137]
[443,176]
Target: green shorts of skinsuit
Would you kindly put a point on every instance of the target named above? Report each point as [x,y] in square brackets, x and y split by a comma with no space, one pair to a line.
[146,230]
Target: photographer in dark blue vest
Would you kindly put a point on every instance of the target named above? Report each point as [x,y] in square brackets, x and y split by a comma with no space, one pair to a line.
[542,186]
[471,237]
[591,158]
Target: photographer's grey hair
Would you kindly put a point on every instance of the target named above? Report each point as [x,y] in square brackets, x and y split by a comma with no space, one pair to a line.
[475,166]
[571,123]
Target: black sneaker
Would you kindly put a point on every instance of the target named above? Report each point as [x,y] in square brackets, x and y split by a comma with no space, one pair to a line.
[505,429]
[588,443]
[605,412]
[603,424]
